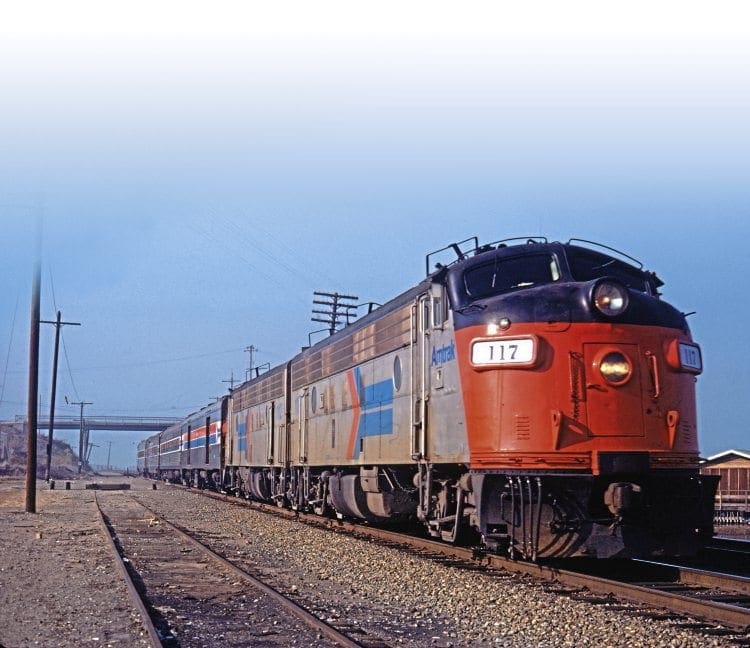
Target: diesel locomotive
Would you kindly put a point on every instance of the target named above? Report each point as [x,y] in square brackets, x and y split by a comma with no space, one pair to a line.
[537,396]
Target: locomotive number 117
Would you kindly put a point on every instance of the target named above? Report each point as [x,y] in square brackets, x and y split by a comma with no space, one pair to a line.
[518,351]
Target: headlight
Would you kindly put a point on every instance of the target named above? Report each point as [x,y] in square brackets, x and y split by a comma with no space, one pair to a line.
[615,368]
[610,298]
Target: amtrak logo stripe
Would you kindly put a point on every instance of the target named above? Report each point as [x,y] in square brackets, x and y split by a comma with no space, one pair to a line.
[372,407]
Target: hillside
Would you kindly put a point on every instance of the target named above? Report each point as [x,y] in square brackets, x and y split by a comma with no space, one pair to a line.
[13,454]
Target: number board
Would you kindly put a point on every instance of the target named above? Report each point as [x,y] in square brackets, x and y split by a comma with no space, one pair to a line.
[690,357]
[517,351]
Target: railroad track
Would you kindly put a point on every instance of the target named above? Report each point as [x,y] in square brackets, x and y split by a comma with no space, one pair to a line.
[736,545]
[712,596]
[726,555]
[676,592]
[189,595]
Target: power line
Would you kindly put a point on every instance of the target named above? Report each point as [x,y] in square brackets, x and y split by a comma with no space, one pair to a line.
[65,348]
[146,363]
[10,346]
[238,254]
[67,364]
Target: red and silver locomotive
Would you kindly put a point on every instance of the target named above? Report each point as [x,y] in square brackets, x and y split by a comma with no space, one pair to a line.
[538,394]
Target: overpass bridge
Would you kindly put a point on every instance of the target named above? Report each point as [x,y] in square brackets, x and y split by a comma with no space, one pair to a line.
[117,423]
[84,424]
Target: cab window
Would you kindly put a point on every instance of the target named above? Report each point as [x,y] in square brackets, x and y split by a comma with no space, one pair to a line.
[586,265]
[507,274]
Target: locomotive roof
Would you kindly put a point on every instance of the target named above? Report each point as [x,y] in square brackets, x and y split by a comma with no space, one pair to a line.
[378,313]
[199,415]
[394,304]
[467,256]
[533,245]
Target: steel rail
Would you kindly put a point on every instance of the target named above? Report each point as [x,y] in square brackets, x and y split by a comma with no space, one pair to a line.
[135,596]
[705,578]
[723,543]
[732,615]
[307,617]
[725,555]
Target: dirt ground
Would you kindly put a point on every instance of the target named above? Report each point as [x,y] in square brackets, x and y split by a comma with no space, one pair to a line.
[58,587]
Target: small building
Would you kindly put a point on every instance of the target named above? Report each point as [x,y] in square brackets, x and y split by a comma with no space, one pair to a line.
[733,494]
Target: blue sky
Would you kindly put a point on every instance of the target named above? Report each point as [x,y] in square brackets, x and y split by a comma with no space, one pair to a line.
[201,170]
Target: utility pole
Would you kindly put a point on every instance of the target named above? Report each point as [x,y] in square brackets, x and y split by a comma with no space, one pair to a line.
[32,411]
[338,307]
[58,324]
[109,453]
[230,381]
[81,441]
[250,350]
[89,447]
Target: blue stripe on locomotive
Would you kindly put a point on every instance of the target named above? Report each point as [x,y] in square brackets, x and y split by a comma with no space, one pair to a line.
[376,409]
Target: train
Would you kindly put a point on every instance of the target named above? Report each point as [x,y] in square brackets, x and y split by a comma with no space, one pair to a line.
[534,397]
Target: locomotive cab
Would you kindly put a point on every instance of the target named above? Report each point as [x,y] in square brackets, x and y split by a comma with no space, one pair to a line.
[578,385]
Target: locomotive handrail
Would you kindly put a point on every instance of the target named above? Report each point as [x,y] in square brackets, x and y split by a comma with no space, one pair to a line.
[456,247]
[654,374]
[528,239]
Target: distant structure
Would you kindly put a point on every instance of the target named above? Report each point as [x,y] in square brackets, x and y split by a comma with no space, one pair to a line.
[733,496]
[86,424]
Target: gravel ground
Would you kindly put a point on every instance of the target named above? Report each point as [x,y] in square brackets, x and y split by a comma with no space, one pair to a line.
[58,585]
[407,599]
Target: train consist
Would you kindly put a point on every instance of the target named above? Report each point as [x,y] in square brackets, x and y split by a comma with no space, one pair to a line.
[537,395]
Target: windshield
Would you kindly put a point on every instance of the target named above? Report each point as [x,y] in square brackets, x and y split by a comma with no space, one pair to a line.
[505,274]
[586,265]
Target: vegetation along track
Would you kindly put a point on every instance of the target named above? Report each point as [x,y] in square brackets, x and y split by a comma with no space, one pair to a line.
[653,590]
[195,597]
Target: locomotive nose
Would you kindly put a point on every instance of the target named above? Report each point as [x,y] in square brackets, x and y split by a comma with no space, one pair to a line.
[622,497]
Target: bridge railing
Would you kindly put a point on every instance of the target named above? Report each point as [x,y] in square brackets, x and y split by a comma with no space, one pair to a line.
[136,423]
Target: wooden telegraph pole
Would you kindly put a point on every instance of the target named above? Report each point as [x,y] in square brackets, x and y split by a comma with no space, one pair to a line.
[31,411]
[58,324]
